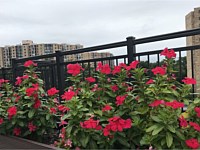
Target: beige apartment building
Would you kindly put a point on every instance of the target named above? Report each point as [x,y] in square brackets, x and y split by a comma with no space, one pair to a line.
[28,49]
[192,21]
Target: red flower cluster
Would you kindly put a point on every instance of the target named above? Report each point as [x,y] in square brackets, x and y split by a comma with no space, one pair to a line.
[37,104]
[120,99]
[174,104]
[68,95]
[19,79]
[3,81]
[1,121]
[12,111]
[187,80]
[106,108]
[192,143]
[31,127]
[117,69]
[195,126]
[32,90]
[74,69]
[105,69]
[157,103]
[150,81]
[158,70]
[53,110]
[197,110]
[114,88]
[17,131]
[91,124]
[29,63]
[63,108]
[90,79]
[132,65]
[168,53]
[183,122]
[116,124]
[52,91]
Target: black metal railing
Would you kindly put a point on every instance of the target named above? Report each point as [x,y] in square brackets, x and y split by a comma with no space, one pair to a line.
[54,73]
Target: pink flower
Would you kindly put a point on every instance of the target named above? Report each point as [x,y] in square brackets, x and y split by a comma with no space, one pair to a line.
[120,99]
[17,131]
[90,79]
[168,53]
[74,69]
[134,64]
[52,91]
[158,70]
[12,111]
[157,103]
[37,104]
[183,122]
[117,69]
[68,95]
[105,69]
[1,121]
[31,127]
[29,63]
[150,81]
[114,88]
[106,108]
[192,143]
[175,104]
[91,124]
[187,80]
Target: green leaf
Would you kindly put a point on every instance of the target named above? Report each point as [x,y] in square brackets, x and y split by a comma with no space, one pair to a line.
[31,113]
[66,116]
[142,110]
[171,128]
[48,116]
[169,139]
[89,103]
[84,140]
[180,135]
[151,128]
[21,124]
[123,141]
[98,112]
[93,144]
[156,119]
[69,129]
[157,130]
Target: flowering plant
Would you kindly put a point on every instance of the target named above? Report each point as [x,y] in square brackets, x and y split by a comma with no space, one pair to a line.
[125,108]
[26,108]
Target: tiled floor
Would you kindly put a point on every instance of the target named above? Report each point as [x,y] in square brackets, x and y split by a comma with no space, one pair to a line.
[18,143]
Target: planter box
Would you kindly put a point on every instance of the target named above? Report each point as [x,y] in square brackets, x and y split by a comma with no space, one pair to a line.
[12,142]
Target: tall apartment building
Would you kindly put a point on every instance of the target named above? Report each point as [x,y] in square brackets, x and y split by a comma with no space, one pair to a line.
[192,20]
[28,49]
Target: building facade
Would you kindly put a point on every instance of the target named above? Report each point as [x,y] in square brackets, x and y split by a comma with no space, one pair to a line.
[192,21]
[28,49]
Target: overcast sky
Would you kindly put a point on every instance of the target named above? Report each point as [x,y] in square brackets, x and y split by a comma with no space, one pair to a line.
[90,22]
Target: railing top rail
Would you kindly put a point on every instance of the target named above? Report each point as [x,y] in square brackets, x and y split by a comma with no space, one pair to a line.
[168,36]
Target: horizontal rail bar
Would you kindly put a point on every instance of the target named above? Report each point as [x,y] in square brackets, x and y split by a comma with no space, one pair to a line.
[168,36]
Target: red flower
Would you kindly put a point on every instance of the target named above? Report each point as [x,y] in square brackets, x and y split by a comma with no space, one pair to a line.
[31,127]
[105,69]
[91,124]
[19,81]
[116,124]
[120,100]
[175,104]
[74,69]
[168,53]
[117,69]
[53,110]
[134,64]
[29,63]
[157,103]
[183,122]
[17,131]
[158,70]
[187,80]
[3,81]
[68,95]
[37,104]
[52,91]
[195,126]
[62,122]
[114,88]
[1,121]
[197,110]
[106,108]
[90,79]
[150,81]
[12,111]
[63,108]
[192,143]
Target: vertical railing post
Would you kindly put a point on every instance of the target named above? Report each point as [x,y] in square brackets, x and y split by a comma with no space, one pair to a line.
[131,49]
[14,67]
[60,72]
[3,73]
